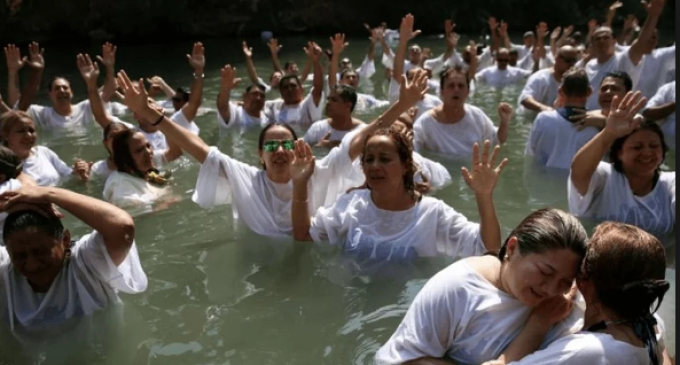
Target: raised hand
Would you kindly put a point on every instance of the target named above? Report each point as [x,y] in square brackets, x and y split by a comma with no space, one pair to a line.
[615,5]
[35,59]
[653,7]
[274,46]
[411,92]
[88,70]
[449,25]
[592,24]
[503,29]
[556,33]
[134,95]
[406,28]
[301,162]
[314,51]
[553,310]
[483,177]
[542,30]
[622,120]
[29,197]
[197,57]
[13,56]
[108,56]
[376,35]
[338,43]
[82,169]
[505,111]
[493,24]
[228,80]
[567,31]
[452,40]
[247,50]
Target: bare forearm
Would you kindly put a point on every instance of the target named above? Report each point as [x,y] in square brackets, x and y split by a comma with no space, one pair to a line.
[275,62]
[12,89]
[585,161]
[167,90]
[383,121]
[109,85]
[333,71]
[30,91]
[300,212]
[399,58]
[223,100]
[429,361]
[503,131]
[317,89]
[659,112]
[527,342]
[252,72]
[305,70]
[97,104]
[531,104]
[488,222]
[196,98]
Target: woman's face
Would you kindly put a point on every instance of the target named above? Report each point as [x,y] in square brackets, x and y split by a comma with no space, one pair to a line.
[276,160]
[535,277]
[641,153]
[141,151]
[455,89]
[22,136]
[37,256]
[381,164]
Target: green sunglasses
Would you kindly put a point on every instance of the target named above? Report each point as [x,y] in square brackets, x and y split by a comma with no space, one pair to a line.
[271,146]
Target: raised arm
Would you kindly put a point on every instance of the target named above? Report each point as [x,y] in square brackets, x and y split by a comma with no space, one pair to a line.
[135,97]
[159,82]
[108,59]
[503,35]
[114,224]
[301,170]
[482,179]
[337,45]
[554,36]
[14,64]
[307,67]
[659,112]
[90,72]
[317,82]
[654,9]
[197,62]
[629,25]
[592,25]
[250,66]
[493,28]
[406,33]
[36,63]
[620,122]
[274,48]
[409,94]
[373,39]
[228,82]
[505,112]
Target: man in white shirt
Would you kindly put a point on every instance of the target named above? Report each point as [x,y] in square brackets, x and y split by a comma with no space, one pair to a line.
[661,108]
[250,113]
[501,74]
[656,64]
[292,108]
[328,133]
[540,92]
[606,59]
[554,139]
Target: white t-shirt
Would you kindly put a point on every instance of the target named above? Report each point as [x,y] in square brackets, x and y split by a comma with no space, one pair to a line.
[88,283]
[430,228]
[455,140]
[590,348]
[115,108]
[157,138]
[263,205]
[437,175]
[180,119]
[483,61]
[609,197]
[495,77]
[542,87]
[239,118]
[553,141]
[124,190]
[45,167]
[319,129]
[654,70]
[46,117]
[367,102]
[620,61]
[304,113]
[428,102]
[460,315]
[665,95]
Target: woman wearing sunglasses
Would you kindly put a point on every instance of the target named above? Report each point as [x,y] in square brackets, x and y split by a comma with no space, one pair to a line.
[262,197]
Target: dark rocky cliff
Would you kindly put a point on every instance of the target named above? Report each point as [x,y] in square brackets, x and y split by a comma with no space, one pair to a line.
[153,20]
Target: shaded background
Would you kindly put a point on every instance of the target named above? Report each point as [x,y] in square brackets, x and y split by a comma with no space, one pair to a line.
[158,21]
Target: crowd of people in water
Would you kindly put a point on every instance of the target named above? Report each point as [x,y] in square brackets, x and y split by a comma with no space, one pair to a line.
[603,106]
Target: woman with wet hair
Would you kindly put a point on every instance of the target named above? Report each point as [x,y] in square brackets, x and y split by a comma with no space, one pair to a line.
[104,168]
[390,220]
[18,133]
[622,280]
[45,277]
[137,180]
[631,188]
[469,312]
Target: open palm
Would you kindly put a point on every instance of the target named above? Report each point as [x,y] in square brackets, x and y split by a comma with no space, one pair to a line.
[483,176]
[302,162]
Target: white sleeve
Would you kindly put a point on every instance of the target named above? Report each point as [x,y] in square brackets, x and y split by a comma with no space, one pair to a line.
[481,75]
[661,97]
[429,326]
[579,205]
[435,172]
[233,110]
[62,168]
[122,193]
[313,134]
[92,258]
[456,236]
[393,93]
[331,223]
[419,133]
[367,69]
[534,88]
[388,61]
[37,113]
[571,350]
[217,176]
[180,119]
[311,112]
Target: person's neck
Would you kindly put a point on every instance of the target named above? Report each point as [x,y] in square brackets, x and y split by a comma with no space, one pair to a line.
[341,123]
[63,109]
[556,75]
[640,185]
[23,154]
[110,164]
[292,103]
[452,113]
[253,112]
[605,57]
[575,102]
[279,178]
[392,199]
